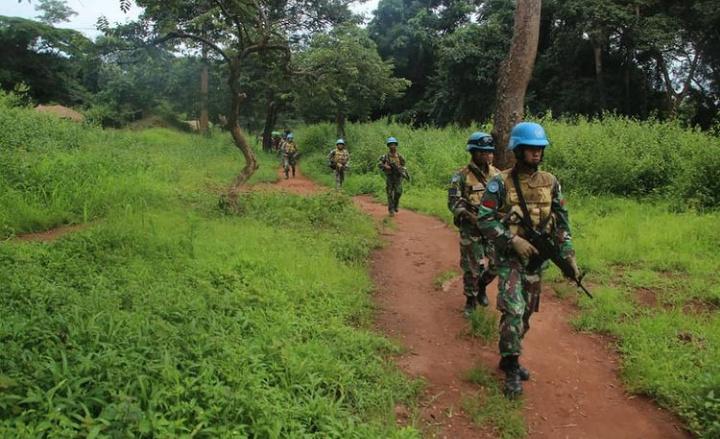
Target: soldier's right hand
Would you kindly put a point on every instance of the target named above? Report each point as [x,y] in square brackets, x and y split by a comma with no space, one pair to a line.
[522,247]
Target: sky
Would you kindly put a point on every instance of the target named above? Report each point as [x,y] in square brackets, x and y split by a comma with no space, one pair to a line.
[89,11]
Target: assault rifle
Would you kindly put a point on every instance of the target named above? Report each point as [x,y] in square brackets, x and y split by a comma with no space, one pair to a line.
[545,245]
[398,170]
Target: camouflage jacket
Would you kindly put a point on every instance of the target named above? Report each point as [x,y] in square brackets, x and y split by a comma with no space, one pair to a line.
[500,215]
[390,159]
[289,147]
[339,157]
[467,187]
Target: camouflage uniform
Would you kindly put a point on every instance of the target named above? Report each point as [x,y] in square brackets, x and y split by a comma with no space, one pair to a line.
[499,220]
[290,153]
[393,178]
[466,190]
[339,159]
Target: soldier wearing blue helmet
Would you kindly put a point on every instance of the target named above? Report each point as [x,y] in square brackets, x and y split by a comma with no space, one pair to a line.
[516,200]
[464,196]
[339,161]
[392,165]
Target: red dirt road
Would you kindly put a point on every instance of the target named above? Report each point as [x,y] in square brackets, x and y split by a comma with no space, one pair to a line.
[575,391]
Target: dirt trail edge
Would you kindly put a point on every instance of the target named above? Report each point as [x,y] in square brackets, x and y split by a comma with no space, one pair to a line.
[574,392]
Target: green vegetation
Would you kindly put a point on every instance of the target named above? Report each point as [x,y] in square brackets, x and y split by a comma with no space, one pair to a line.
[651,257]
[484,324]
[169,316]
[491,409]
[446,276]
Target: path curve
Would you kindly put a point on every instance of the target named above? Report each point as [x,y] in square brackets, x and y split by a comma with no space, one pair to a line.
[575,391]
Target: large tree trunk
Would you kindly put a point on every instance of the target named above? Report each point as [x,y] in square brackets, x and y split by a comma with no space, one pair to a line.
[240,139]
[204,125]
[340,124]
[270,120]
[597,41]
[515,73]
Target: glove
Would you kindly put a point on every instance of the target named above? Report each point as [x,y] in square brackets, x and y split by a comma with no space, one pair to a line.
[522,247]
[573,263]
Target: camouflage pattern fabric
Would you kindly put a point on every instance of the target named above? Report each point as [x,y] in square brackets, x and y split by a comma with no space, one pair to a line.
[519,289]
[393,179]
[465,191]
[339,159]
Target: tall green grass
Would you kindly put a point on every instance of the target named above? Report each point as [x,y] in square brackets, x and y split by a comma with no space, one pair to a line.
[171,317]
[641,197]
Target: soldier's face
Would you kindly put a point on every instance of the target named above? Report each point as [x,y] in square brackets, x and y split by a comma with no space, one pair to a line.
[393,147]
[341,146]
[532,155]
[483,157]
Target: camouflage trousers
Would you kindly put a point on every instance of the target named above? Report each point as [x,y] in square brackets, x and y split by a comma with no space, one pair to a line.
[339,177]
[518,298]
[394,189]
[289,162]
[473,249]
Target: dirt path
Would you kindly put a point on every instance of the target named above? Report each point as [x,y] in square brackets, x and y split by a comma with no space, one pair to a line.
[575,391]
[52,234]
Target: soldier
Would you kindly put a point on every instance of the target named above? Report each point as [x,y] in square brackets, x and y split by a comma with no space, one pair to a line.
[339,159]
[276,139]
[290,153]
[516,199]
[393,166]
[466,190]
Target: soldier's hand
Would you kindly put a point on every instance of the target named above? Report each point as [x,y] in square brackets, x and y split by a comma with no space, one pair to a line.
[522,247]
[573,264]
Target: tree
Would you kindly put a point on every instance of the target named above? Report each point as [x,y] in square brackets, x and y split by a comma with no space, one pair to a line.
[54,11]
[57,64]
[515,73]
[235,31]
[345,77]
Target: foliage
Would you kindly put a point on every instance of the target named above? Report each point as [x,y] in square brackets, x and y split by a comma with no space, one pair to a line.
[54,11]
[490,408]
[57,64]
[349,78]
[612,155]
[169,317]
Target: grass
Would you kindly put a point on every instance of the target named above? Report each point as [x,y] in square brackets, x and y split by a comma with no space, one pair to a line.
[484,324]
[490,409]
[444,277]
[643,223]
[171,317]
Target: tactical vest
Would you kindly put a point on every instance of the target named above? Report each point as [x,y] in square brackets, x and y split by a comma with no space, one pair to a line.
[341,156]
[393,158]
[537,190]
[290,147]
[474,188]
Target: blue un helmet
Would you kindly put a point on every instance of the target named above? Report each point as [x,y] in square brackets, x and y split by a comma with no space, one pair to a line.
[290,136]
[339,142]
[480,141]
[390,140]
[527,134]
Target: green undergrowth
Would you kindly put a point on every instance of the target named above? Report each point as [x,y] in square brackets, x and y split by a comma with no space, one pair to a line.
[644,228]
[174,317]
[490,409]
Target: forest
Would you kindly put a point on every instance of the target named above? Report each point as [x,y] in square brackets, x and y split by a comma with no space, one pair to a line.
[159,276]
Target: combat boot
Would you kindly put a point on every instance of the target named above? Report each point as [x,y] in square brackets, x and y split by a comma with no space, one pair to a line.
[507,362]
[482,298]
[470,305]
[513,382]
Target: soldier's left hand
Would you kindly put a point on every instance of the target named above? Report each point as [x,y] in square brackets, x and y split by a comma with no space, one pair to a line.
[573,263]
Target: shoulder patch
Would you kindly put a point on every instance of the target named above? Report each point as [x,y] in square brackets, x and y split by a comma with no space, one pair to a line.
[493,186]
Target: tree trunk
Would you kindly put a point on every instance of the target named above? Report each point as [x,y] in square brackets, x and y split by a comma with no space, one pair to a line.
[515,73]
[340,124]
[239,138]
[204,126]
[597,55]
[270,119]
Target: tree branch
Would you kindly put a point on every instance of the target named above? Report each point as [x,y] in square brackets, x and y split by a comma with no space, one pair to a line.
[198,38]
[233,18]
[263,46]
